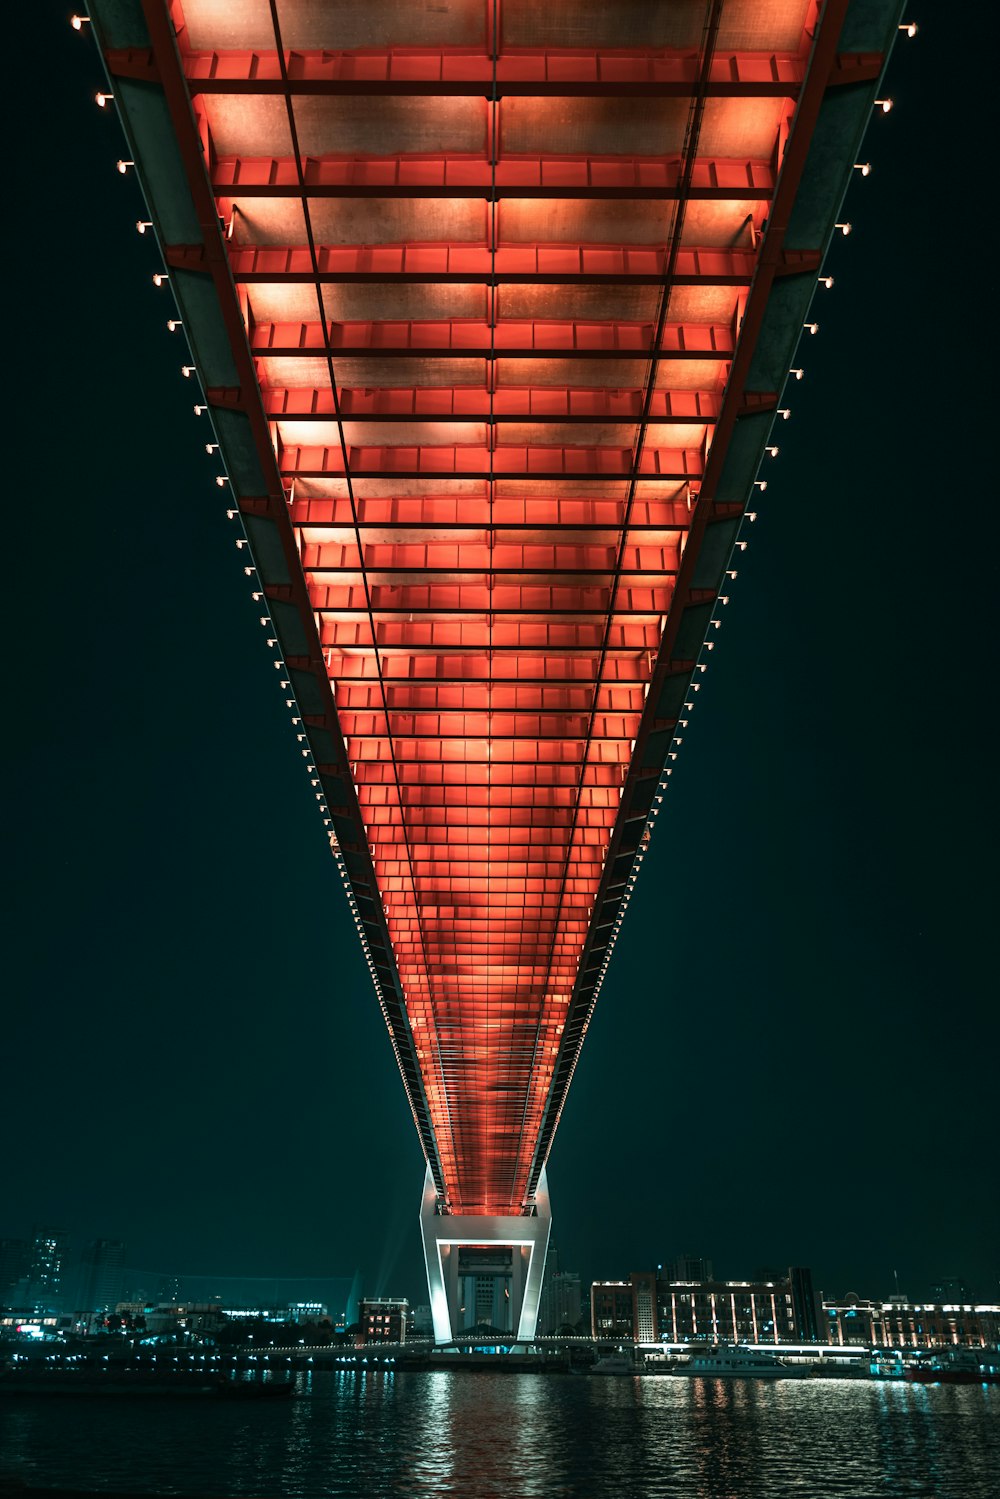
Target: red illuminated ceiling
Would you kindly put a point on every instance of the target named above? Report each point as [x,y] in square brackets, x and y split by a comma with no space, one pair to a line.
[492,258]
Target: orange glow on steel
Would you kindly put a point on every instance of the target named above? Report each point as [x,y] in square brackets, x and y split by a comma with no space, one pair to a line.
[489,568]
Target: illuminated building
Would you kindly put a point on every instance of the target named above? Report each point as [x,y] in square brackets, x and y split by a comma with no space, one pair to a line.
[727,1311]
[490,310]
[655,1308]
[612,1309]
[47,1254]
[382,1320]
[897,1323]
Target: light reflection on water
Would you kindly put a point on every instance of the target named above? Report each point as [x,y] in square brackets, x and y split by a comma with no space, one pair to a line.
[521,1436]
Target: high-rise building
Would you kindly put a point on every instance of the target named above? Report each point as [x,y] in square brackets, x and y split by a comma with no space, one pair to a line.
[687,1267]
[45,1271]
[559,1306]
[950,1288]
[421,1322]
[562,1303]
[806,1305]
[15,1262]
[103,1275]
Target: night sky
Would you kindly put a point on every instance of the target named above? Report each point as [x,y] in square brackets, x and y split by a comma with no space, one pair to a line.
[794,1056]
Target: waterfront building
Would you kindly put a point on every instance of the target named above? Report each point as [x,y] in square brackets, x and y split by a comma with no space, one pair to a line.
[644,1306]
[308,1311]
[612,1309]
[383,1319]
[896,1323]
[651,1307]
[726,1311]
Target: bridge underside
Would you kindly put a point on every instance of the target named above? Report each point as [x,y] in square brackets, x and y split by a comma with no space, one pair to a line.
[492,305]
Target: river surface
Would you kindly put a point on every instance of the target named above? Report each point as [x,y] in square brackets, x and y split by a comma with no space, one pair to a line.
[517,1436]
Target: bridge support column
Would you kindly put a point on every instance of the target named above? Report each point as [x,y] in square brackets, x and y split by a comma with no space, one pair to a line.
[484,1269]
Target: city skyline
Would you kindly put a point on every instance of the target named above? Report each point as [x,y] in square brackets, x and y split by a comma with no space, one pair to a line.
[780,1097]
[48,1280]
[82,1267]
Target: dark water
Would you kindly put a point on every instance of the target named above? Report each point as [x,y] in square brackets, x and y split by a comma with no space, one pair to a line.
[516,1436]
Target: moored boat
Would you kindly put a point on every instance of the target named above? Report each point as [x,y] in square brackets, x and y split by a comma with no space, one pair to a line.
[737,1362]
[615,1363]
[951,1366]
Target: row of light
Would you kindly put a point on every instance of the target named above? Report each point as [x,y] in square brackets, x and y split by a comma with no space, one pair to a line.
[812,328]
[740,544]
[78,23]
[161,278]
[314,780]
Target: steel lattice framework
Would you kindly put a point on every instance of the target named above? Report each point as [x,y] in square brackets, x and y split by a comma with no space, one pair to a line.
[492,304]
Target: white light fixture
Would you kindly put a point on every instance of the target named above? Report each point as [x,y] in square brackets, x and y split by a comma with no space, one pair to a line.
[101,100]
[864,167]
[910,27]
[174,323]
[187,370]
[160,278]
[845,229]
[123,166]
[884,105]
[222,480]
[760,484]
[79,22]
[211,447]
[142,225]
[751,516]
[797,373]
[774,451]
[826,281]
[812,328]
[199,409]
[784,412]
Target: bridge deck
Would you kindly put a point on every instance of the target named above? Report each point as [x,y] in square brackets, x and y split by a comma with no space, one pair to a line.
[492,304]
